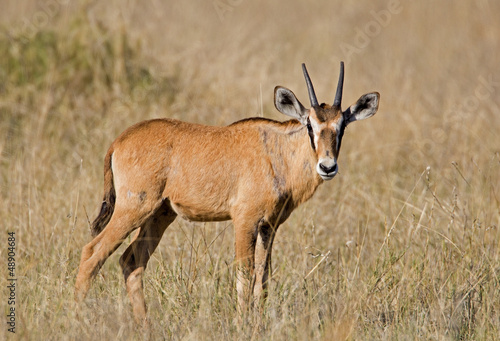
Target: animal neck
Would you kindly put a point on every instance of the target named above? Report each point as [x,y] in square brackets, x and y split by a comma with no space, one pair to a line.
[293,161]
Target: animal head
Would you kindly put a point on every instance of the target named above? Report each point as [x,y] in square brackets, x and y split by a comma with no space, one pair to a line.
[325,123]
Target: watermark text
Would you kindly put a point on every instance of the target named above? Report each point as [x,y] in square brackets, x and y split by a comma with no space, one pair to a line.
[11,282]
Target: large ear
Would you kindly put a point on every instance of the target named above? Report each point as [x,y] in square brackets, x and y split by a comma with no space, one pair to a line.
[286,103]
[365,107]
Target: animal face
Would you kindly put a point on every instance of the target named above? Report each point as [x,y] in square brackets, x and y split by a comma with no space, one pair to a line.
[325,124]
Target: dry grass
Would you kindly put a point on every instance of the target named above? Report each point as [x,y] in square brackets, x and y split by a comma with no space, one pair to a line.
[422,260]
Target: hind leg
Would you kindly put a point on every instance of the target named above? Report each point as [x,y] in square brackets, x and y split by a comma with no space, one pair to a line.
[95,253]
[135,258]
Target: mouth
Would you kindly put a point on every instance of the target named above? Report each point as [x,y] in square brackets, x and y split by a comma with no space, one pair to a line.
[327,173]
[327,176]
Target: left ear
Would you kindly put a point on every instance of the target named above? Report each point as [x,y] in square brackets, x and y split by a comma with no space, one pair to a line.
[365,107]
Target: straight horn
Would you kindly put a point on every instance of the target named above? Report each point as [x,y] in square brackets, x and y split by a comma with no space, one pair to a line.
[312,95]
[340,85]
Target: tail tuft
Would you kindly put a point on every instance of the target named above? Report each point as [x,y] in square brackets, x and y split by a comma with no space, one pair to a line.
[103,218]
[108,204]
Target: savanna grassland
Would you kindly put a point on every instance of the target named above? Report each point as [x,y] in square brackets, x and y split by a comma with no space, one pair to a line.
[403,244]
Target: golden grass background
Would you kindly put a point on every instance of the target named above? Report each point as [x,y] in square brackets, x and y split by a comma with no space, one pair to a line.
[402,244]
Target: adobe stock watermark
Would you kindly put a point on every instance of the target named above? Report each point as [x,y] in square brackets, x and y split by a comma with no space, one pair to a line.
[12,281]
[485,89]
[223,7]
[366,33]
[31,25]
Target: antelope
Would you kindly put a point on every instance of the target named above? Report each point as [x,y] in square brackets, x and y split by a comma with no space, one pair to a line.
[255,172]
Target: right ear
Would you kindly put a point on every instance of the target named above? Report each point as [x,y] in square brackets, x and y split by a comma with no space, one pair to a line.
[286,103]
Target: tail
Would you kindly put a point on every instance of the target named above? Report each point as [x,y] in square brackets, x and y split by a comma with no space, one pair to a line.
[108,203]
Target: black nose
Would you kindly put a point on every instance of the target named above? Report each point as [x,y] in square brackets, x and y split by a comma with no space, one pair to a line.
[328,170]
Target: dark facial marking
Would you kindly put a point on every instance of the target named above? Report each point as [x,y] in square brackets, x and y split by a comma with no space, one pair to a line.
[341,133]
[311,134]
[328,136]
[321,113]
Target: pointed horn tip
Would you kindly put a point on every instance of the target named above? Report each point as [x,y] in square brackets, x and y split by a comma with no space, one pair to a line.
[304,69]
[310,88]
[338,95]
[341,67]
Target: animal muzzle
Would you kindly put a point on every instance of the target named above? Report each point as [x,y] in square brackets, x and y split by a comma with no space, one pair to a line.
[327,168]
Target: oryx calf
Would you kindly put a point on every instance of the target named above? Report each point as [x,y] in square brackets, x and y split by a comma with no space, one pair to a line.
[255,172]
